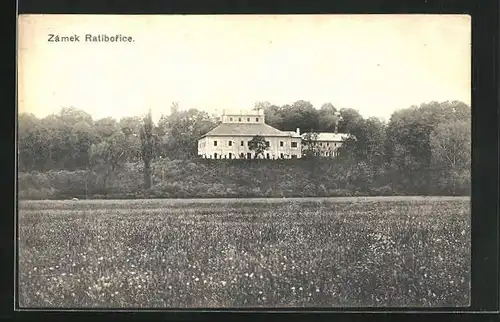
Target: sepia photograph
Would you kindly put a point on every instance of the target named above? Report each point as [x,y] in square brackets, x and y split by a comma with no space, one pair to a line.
[243,161]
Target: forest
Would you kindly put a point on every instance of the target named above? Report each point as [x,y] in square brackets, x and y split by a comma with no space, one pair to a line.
[421,150]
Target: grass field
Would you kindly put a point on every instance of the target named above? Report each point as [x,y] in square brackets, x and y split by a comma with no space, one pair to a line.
[245,253]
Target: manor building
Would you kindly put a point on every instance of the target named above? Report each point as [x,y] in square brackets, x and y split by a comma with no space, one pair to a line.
[229,140]
[327,144]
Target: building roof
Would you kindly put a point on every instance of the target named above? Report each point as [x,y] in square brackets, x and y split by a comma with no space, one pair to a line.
[248,129]
[329,136]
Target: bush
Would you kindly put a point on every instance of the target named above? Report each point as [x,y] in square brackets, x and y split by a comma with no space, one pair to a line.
[232,178]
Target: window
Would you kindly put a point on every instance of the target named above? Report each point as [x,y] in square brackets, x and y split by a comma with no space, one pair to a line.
[230,155]
[230,143]
[248,119]
[281,155]
[242,143]
[328,144]
[321,144]
[215,143]
[257,119]
[267,155]
[281,143]
[249,155]
[231,119]
[239,119]
[242,155]
[215,155]
[294,156]
[268,143]
[294,144]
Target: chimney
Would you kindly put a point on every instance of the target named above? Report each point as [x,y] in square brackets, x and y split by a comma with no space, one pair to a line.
[298,131]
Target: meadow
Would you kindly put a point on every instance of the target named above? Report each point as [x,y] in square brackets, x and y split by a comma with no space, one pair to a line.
[212,253]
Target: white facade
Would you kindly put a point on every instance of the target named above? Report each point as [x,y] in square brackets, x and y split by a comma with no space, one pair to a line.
[236,147]
[230,139]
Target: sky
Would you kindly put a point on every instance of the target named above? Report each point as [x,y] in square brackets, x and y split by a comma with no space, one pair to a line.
[373,63]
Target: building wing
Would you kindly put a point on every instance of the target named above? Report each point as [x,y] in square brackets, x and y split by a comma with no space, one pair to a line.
[331,137]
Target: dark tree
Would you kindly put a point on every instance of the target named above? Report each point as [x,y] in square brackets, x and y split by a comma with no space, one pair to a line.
[310,144]
[257,144]
[147,142]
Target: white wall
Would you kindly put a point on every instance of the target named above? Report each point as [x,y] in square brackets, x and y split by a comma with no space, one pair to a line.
[206,147]
[328,148]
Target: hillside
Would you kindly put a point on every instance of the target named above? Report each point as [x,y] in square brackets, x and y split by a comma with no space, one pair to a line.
[230,178]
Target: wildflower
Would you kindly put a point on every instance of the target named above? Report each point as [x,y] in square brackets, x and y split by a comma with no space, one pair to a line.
[293,288]
[223,283]
[317,290]
[260,292]
[261,276]
[197,279]
[300,288]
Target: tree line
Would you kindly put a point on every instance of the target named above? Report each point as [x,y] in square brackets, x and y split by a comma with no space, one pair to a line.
[422,149]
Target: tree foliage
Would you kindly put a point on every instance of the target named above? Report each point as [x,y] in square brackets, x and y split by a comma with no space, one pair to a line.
[424,149]
[258,145]
[147,144]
